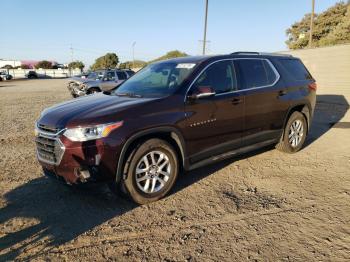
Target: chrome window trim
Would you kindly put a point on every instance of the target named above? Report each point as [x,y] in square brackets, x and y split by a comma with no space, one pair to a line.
[278,76]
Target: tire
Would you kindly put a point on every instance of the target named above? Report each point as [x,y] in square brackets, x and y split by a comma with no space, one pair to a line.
[93,90]
[153,183]
[290,143]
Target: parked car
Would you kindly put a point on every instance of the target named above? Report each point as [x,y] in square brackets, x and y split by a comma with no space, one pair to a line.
[32,75]
[104,80]
[174,116]
[4,75]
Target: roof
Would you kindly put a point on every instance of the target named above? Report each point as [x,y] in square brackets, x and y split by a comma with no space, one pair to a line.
[198,59]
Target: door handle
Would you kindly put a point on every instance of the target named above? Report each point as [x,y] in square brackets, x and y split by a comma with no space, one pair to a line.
[236,101]
[282,92]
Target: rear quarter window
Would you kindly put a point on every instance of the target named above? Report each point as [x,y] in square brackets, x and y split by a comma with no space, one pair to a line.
[296,69]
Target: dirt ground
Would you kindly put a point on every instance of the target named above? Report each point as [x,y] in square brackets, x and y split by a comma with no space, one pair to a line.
[265,206]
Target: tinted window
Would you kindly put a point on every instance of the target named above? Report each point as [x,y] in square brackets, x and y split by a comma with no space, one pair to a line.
[131,73]
[122,75]
[219,77]
[296,69]
[256,72]
[110,76]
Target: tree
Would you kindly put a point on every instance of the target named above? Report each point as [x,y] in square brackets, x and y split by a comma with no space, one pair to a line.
[76,65]
[109,60]
[169,55]
[43,64]
[7,67]
[330,27]
[130,64]
[25,66]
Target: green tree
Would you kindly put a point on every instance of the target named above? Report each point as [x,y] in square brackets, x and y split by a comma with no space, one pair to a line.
[24,66]
[76,65]
[169,55]
[131,64]
[340,34]
[7,67]
[43,64]
[330,27]
[109,60]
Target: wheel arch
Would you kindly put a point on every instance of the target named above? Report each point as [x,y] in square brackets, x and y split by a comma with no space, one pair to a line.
[167,133]
[93,87]
[302,108]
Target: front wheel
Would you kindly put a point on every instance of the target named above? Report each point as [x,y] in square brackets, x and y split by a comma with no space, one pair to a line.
[294,134]
[152,168]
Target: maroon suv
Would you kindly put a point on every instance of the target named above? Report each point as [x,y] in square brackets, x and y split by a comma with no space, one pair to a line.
[174,115]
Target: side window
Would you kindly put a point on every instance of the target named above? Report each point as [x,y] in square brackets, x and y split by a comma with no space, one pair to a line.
[220,77]
[121,75]
[256,72]
[296,69]
[110,76]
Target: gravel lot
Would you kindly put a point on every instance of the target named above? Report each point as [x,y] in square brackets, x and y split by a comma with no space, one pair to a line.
[263,206]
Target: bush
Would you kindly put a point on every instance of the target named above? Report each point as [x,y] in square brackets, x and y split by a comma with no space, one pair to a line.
[7,67]
[24,66]
[44,65]
[76,65]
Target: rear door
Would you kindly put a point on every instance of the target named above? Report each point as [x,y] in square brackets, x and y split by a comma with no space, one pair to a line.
[215,124]
[266,103]
[122,76]
[109,81]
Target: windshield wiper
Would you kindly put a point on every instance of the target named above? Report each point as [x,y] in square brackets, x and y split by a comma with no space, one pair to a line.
[128,95]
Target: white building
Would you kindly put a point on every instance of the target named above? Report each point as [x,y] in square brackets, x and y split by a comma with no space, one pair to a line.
[13,63]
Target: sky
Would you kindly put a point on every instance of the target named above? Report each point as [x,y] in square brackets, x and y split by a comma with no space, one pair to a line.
[48,30]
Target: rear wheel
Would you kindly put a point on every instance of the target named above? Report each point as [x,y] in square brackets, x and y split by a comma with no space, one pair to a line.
[294,134]
[151,171]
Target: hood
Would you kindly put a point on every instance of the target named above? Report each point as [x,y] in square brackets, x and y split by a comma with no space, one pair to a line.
[89,110]
[80,80]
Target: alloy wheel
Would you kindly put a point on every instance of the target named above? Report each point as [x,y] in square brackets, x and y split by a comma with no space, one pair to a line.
[296,133]
[152,172]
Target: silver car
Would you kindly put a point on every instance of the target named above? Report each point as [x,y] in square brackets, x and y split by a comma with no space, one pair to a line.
[104,80]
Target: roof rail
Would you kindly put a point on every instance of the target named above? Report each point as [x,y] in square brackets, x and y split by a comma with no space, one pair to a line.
[245,53]
[260,53]
[275,54]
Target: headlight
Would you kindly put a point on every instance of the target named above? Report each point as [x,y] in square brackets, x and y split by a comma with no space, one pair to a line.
[82,134]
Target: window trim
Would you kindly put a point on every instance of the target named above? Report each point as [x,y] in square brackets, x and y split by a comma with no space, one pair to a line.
[278,76]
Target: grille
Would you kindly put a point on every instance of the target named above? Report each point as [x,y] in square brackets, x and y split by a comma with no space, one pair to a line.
[48,145]
[48,129]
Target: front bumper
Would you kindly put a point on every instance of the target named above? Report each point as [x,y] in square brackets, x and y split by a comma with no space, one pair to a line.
[83,162]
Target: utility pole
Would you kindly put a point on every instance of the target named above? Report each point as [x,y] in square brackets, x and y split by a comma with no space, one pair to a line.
[312,23]
[205,26]
[133,54]
[71,52]
[71,58]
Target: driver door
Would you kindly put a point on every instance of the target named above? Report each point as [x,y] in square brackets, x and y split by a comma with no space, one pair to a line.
[215,123]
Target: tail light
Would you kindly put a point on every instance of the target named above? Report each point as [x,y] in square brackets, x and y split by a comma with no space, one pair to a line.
[313,86]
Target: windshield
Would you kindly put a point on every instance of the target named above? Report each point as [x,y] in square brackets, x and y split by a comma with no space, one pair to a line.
[156,80]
